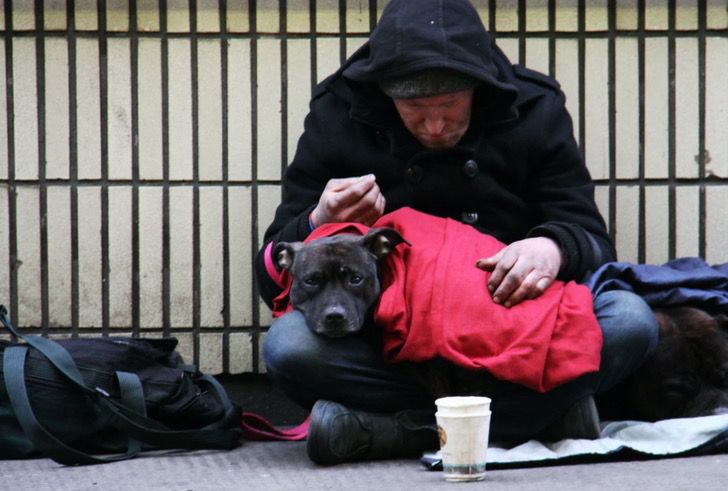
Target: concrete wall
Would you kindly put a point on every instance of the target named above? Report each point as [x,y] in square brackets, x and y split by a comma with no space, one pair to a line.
[143,143]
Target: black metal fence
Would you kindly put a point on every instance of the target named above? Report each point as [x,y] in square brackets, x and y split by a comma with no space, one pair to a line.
[143,143]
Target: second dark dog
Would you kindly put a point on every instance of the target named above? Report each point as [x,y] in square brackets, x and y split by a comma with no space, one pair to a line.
[687,375]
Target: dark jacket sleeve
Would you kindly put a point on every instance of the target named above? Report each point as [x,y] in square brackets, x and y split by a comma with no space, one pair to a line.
[564,193]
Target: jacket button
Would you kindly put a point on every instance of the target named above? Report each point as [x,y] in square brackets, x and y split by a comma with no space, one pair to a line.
[470,168]
[469,217]
[414,173]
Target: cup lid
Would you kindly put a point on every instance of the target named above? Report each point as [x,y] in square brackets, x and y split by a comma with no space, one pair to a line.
[459,405]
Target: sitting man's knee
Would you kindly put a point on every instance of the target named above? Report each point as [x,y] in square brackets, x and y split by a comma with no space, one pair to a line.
[628,320]
[630,334]
[289,345]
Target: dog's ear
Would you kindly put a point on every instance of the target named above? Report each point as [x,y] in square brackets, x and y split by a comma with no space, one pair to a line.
[284,252]
[382,241]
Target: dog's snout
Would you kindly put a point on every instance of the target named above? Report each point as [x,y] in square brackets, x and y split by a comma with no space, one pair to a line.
[335,322]
[334,315]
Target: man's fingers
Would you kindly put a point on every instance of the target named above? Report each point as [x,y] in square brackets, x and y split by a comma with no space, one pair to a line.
[489,263]
[353,199]
[353,194]
[542,284]
[365,207]
[340,194]
[377,210]
[533,285]
[503,290]
[342,183]
[381,204]
[503,277]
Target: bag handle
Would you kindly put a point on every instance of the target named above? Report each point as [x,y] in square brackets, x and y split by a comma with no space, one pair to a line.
[154,433]
[128,416]
[62,360]
[5,321]
[230,409]
[54,352]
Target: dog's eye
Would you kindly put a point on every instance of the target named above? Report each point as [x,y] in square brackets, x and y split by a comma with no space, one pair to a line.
[355,279]
[311,281]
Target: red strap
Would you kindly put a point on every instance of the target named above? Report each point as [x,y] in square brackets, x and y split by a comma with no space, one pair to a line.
[257,428]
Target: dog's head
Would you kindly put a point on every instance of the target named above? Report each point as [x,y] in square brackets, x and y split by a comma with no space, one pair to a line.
[687,375]
[336,279]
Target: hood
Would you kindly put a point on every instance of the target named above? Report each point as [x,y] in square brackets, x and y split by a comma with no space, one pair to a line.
[413,35]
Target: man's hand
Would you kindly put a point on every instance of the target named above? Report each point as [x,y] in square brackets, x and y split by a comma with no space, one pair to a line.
[522,270]
[353,199]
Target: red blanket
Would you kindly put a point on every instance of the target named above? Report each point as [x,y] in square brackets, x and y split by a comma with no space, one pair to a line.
[435,303]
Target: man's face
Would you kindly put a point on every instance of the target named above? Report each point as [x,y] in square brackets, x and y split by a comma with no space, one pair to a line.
[439,121]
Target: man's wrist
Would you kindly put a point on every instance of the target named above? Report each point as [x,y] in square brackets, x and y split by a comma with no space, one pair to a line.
[562,252]
[552,234]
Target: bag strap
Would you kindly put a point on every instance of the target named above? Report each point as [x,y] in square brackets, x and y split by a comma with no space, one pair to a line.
[231,411]
[128,416]
[54,352]
[154,433]
[253,426]
[136,424]
[5,321]
[42,439]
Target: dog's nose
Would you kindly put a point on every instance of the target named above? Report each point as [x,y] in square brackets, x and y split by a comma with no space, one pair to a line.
[334,316]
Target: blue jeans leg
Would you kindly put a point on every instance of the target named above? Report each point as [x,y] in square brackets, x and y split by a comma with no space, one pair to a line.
[630,333]
[351,370]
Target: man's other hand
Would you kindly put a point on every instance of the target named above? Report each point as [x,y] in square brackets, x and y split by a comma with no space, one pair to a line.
[522,270]
[352,199]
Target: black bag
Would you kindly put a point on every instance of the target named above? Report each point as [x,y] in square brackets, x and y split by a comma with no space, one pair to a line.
[72,398]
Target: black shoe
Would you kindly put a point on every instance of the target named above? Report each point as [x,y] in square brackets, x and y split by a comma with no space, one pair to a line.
[338,434]
[581,421]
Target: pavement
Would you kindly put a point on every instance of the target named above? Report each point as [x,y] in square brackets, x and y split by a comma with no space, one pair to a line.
[285,466]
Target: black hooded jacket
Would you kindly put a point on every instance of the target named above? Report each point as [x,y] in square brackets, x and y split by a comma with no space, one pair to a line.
[516,173]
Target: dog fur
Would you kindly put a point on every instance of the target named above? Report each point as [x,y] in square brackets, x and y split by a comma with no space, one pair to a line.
[687,374]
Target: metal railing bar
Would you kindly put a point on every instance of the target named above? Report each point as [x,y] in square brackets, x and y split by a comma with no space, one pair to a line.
[612,103]
[135,239]
[12,263]
[641,75]
[166,227]
[671,96]
[225,193]
[196,252]
[42,189]
[254,302]
[73,164]
[104,182]
[702,205]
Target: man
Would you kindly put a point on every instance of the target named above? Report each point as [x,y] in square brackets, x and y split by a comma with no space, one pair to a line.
[430,114]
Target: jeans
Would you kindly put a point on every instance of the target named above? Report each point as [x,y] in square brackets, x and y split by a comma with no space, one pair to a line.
[352,371]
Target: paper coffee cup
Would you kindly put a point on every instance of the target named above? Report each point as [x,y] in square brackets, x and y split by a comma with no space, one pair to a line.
[463,424]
